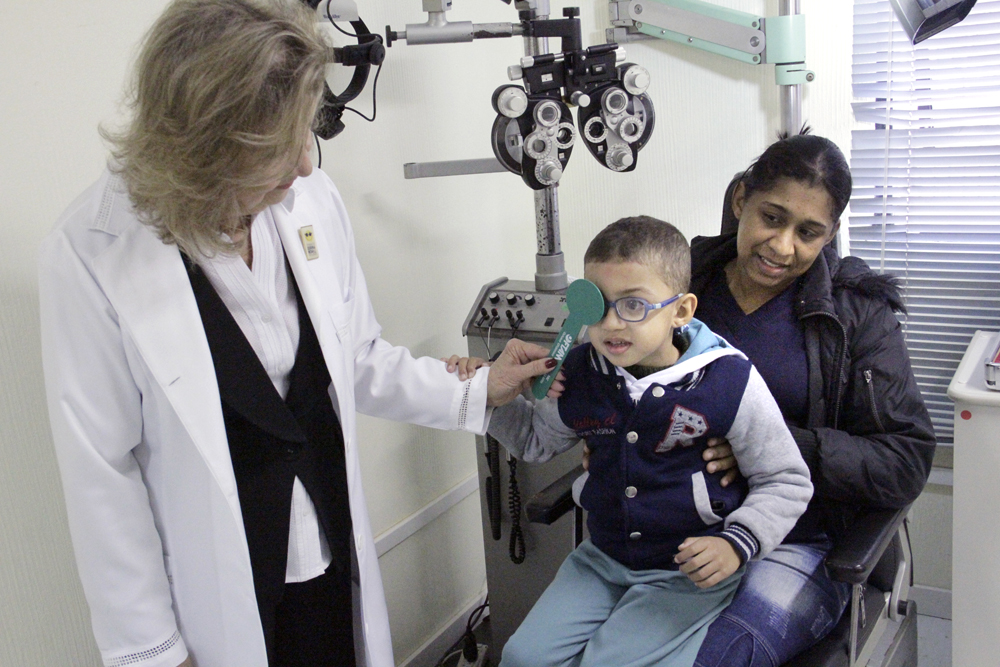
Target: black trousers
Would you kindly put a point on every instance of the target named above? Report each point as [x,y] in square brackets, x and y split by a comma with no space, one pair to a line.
[313,624]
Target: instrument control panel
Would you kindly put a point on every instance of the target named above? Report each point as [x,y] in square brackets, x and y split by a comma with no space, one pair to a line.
[515,309]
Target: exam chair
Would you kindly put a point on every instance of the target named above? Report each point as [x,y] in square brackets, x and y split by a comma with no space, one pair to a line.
[879,627]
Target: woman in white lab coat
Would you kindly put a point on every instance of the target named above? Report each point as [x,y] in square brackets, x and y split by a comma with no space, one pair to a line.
[214,164]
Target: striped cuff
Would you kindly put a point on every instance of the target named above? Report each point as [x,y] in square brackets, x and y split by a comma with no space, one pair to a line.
[743,541]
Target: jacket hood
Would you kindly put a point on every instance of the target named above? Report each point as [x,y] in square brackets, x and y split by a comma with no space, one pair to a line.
[854,273]
[703,347]
[700,339]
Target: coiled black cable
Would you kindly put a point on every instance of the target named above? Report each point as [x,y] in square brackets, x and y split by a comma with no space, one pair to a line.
[514,500]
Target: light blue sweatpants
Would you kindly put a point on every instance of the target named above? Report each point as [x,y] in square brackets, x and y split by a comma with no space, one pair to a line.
[598,613]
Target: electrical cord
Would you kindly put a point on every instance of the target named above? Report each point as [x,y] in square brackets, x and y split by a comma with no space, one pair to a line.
[451,654]
[486,340]
[378,70]
[467,645]
[492,485]
[349,34]
[514,499]
[470,649]
[477,615]
[374,99]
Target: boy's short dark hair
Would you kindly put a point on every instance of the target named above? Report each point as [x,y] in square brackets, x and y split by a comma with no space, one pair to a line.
[648,241]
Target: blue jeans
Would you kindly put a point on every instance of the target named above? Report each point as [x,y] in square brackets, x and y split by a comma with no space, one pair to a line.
[784,604]
[597,612]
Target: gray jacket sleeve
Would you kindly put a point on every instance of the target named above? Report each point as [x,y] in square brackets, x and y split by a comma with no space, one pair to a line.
[531,432]
[768,458]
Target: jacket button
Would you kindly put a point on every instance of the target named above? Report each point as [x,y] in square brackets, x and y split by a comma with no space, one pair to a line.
[658,392]
[631,491]
[635,536]
[632,437]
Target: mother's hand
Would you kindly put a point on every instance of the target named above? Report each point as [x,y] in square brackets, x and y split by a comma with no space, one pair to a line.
[719,455]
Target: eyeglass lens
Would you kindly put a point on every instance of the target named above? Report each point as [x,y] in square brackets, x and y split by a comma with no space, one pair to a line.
[631,309]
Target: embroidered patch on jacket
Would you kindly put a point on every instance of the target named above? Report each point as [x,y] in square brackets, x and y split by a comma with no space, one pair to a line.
[685,426]
[588,426]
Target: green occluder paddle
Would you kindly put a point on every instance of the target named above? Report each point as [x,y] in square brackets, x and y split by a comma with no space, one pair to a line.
[586,307]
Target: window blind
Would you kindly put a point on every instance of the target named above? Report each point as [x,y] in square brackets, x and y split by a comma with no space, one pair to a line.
[926,201]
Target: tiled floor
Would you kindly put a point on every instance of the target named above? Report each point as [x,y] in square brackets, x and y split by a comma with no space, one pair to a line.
[933,641]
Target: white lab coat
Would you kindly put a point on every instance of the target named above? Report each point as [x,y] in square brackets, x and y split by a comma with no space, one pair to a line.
[140,438]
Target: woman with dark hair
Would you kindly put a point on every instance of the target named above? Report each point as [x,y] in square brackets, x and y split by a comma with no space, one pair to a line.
[821,330]
[207,339]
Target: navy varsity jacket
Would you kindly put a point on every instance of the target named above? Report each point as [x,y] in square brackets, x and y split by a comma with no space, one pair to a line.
[647,489]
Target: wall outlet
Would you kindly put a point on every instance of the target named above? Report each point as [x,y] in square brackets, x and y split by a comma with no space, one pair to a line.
[480,660]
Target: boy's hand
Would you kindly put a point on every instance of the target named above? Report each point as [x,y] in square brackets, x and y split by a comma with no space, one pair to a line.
[466,366]
[557,387]
[719,455]
[707,560]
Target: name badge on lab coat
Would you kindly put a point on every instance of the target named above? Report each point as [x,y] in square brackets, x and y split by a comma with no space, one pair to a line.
[308,242]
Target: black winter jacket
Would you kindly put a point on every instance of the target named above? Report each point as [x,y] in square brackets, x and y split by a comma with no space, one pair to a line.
[869,441]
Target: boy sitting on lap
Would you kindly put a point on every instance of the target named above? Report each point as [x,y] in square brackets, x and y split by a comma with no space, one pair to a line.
[667,541]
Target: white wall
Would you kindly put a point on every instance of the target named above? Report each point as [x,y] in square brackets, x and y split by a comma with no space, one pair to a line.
[427,246]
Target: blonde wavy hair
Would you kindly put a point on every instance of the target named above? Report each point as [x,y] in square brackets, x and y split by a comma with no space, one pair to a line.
[222,96]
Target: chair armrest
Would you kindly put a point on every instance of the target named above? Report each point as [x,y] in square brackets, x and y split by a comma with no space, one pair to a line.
[553,501]
[855,554]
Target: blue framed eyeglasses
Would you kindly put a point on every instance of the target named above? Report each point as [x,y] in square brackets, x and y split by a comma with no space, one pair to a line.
[635,308]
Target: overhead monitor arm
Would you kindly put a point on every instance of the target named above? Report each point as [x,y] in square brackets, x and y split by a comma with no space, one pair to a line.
[748,38]
[778,40]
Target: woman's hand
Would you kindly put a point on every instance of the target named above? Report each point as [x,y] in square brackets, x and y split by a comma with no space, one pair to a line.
[707,560]
[719,455]
[186,663]
[514,369]
[466,366]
